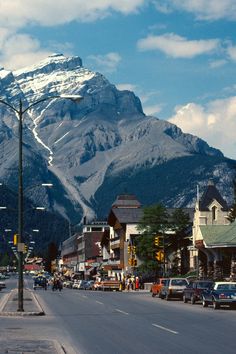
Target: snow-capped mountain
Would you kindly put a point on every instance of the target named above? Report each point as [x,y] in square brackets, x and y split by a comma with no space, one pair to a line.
[102,146]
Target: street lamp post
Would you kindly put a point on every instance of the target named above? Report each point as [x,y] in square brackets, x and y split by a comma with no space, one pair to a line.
[20,246]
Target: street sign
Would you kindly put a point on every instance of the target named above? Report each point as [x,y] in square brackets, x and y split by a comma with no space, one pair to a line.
[21,247]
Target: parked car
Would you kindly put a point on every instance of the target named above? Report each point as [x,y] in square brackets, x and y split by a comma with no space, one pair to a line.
[193,291]
[76,284]
[156,287]
[173,288]
[68,284]
[97,285]
[2,285]
[89,285]
[40,282]
[83,284]
[222,293]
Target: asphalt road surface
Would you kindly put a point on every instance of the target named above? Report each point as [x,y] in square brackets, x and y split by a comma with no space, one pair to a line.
[94,322]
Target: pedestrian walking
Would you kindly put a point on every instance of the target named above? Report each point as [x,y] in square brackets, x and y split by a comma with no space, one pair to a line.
[137,283]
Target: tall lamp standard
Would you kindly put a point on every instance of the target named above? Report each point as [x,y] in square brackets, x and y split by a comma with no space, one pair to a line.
[20,245]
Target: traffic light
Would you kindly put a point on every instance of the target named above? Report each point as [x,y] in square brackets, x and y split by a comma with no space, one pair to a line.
[135,262]
[134,249]
[158,241]
[25,248]
[15,239]
[129,249]
[160,256]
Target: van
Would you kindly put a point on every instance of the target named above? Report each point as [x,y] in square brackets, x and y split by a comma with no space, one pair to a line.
[174,288]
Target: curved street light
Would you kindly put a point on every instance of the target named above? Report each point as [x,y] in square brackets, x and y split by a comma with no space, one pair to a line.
[20,246]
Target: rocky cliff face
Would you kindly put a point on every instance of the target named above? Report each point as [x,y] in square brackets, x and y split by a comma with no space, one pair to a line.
[98,148]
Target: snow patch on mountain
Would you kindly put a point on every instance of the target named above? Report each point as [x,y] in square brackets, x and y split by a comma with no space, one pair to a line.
[102,137]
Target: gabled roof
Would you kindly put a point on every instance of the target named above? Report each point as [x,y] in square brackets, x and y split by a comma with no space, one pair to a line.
[219,235]
[126,201]
[210,194]
[126,215]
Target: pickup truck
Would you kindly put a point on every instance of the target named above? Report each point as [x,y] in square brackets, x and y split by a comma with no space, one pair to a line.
[110,284]
[107,284]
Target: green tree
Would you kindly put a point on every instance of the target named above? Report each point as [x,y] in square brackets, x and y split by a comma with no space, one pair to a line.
[154,222]
[4,259]
[180,224]
[232,213]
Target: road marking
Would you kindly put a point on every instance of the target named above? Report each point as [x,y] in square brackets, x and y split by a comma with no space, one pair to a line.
[99,302]
[125,313]
[84,296]
[165,329]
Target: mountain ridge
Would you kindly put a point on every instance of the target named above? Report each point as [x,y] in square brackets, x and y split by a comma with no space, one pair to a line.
[87,147]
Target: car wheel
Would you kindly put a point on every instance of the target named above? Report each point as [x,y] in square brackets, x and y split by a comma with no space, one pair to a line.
[167,298]
[161,296]
[153,295]
[216,305]
[204,303]
[185,300]
[192,300]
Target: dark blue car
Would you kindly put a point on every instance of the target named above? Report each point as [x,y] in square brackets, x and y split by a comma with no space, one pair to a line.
[222,293]
[40,282]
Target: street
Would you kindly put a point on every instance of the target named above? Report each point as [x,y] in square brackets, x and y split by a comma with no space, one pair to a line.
[129,322]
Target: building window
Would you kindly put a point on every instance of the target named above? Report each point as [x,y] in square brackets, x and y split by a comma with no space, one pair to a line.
[96,228]
[214,210]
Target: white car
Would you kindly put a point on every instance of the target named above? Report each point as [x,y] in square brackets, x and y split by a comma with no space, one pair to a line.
[76,284]
[2,285]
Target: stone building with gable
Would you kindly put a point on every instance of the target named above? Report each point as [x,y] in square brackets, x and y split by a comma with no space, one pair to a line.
[123,219]
[214,237]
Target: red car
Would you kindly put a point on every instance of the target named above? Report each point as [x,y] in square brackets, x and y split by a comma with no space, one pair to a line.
[156,287]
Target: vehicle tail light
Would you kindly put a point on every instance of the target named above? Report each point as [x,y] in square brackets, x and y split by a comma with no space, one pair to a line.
[224,296]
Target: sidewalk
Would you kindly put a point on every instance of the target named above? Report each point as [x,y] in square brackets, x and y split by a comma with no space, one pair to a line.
[9,304]
[8,307]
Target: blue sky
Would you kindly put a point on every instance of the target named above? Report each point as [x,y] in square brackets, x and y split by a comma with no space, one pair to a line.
[178,56]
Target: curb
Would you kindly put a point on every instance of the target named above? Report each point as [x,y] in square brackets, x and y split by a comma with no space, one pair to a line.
[22,314]
[41,312]
[5,299]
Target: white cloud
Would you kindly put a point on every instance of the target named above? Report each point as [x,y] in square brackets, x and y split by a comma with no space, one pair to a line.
[129,87]
[18,50]
[203,9]
[232,52]
[152,110]
[217,63]
[106,63]
[214,122]
[18,13]
[177,46]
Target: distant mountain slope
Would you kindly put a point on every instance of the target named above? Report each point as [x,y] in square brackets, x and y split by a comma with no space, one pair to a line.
[100,147]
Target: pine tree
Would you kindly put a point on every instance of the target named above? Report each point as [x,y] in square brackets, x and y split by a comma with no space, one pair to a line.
[154,222]
[180,224]
[232,213]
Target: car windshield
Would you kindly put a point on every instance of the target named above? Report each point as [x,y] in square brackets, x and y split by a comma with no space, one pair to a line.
[204,285]
[179,282]
[226,286]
